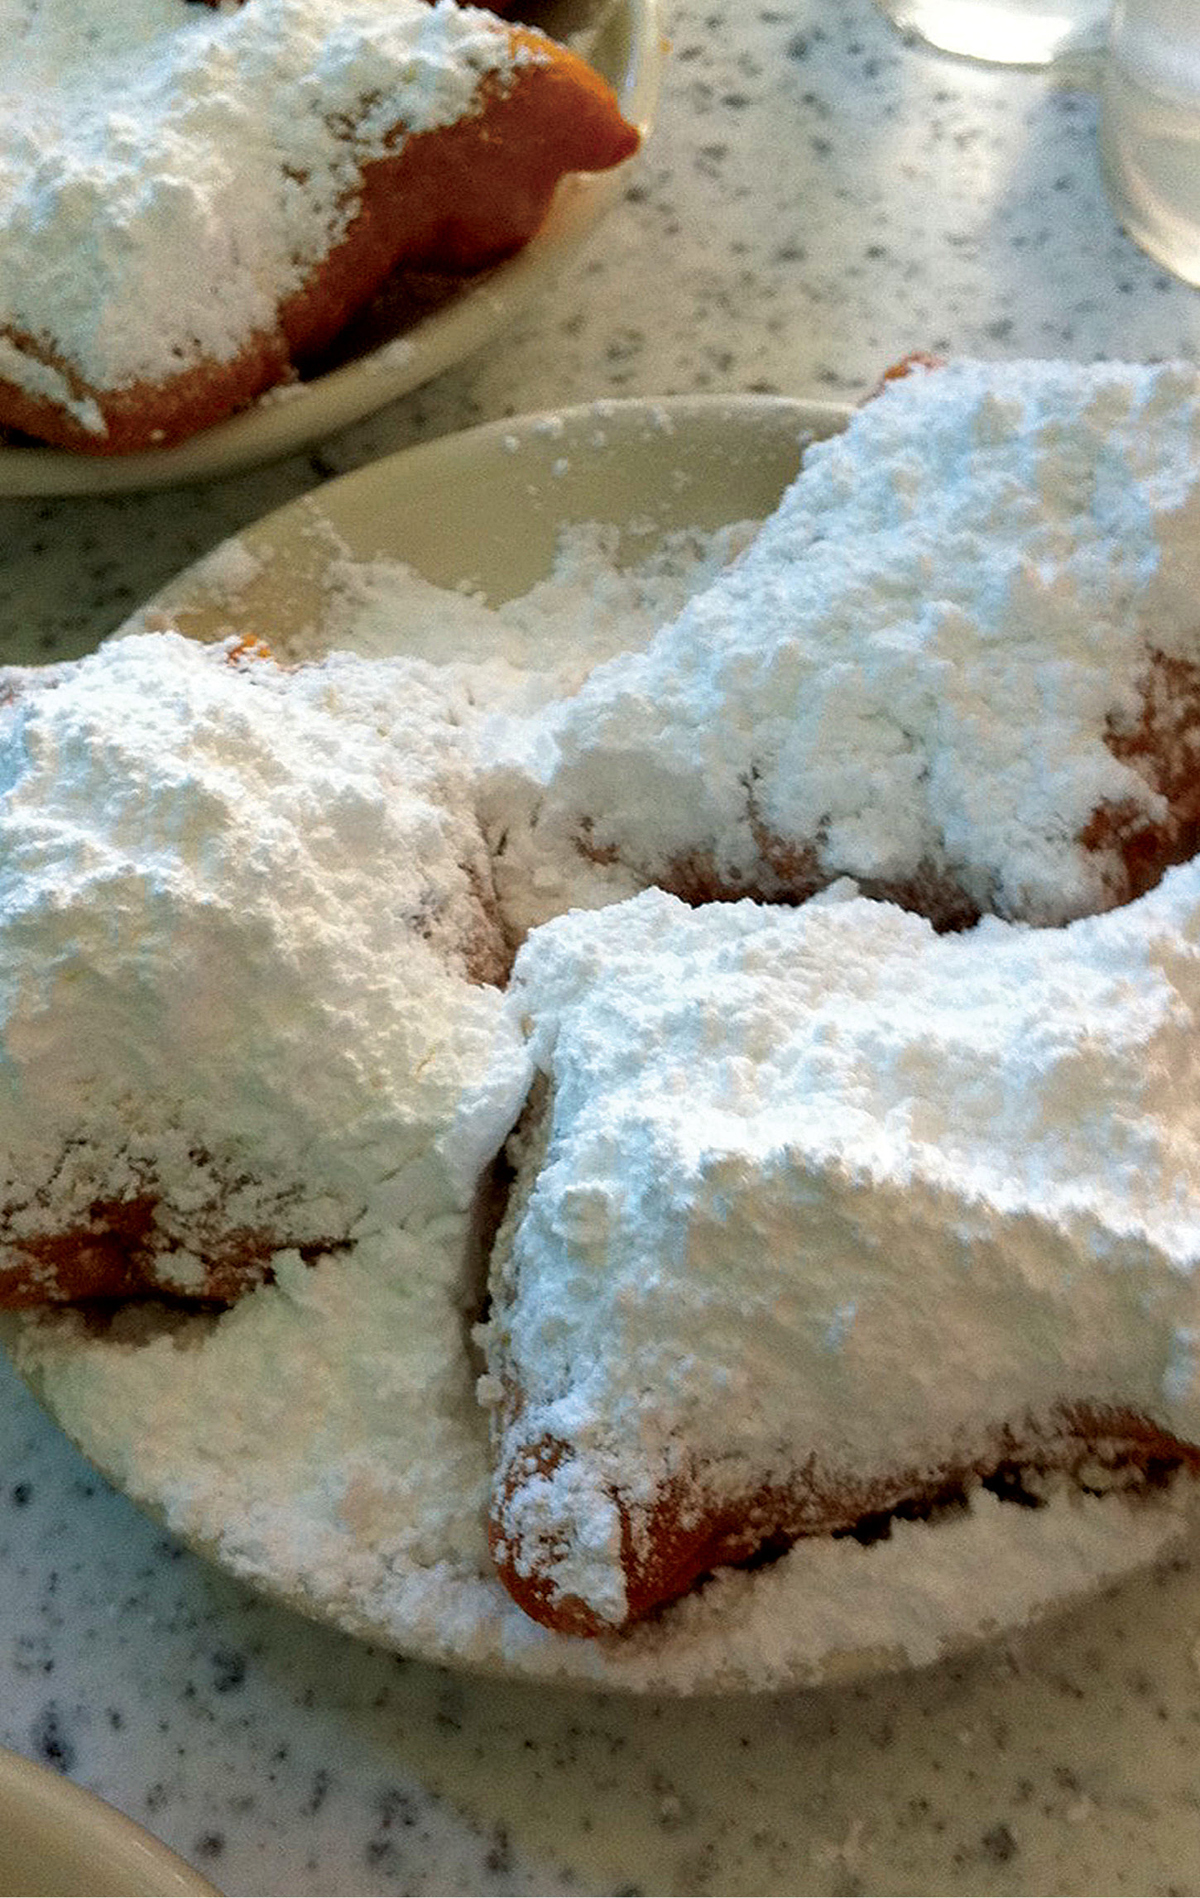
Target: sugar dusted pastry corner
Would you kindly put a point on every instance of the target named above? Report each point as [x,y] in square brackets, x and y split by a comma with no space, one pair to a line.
[250,968]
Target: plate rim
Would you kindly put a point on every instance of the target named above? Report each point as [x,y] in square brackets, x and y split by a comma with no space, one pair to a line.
[113,1852]
[334,501]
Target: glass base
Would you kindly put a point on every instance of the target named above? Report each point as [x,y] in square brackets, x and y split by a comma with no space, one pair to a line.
[1150,151]
[1003,32]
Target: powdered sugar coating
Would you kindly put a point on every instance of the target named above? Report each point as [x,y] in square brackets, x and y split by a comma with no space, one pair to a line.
[170,173]
[823,1196]
[369,1511]
[245,911]
[987,552]
[331,1539]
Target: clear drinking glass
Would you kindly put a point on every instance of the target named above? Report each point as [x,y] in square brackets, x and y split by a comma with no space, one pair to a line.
[1010,32]
[1150,128]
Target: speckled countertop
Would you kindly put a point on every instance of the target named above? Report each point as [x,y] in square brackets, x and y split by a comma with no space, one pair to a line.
[818,199]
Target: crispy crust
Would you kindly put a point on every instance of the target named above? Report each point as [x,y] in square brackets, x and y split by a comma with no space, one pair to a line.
[1163,747]
[121,1254]
[469,194]
[688,1530]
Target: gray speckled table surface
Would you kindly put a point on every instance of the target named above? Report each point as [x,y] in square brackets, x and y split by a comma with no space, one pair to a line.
[818,198]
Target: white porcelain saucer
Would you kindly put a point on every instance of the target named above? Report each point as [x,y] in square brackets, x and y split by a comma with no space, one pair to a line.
[55,1837]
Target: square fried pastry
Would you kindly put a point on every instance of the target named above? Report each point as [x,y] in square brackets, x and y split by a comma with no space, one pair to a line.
[820,1216]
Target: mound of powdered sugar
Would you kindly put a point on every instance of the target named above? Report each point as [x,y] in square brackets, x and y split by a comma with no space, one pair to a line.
[249,956]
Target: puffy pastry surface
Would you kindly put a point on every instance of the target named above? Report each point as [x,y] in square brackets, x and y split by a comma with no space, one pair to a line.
[960,663]
[193,199]
[248,968]
[826,1215]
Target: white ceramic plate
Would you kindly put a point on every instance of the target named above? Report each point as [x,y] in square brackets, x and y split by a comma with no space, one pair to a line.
[485,508]
[622,39]
[57,1838]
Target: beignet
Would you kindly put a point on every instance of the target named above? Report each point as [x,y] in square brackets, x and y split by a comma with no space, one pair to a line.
[193,200]
[960,663]
[824,1216]
[249,968]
